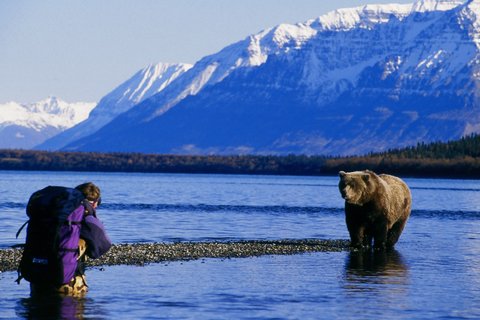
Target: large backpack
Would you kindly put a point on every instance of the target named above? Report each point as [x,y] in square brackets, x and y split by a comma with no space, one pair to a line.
[51,248]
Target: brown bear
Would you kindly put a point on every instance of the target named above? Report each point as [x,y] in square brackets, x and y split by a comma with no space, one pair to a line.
[376,207]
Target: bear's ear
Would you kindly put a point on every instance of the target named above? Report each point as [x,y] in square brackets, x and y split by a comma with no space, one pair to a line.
[365,177]
[342,174]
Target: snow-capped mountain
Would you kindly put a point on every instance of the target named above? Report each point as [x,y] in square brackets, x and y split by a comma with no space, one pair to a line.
[349,82]
[25,125]
[142,85]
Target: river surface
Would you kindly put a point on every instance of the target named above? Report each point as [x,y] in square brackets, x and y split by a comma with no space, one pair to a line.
[434,273]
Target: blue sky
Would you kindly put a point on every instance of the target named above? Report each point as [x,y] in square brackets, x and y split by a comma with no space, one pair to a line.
[79,50]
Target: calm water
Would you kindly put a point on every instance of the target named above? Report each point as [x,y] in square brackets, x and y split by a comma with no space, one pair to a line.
[433,274]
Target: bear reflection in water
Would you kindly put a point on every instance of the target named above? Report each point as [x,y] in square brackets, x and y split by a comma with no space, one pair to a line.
[366,269]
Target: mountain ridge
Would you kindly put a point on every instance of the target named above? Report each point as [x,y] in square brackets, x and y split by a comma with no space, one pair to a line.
[390,78]
[352,81]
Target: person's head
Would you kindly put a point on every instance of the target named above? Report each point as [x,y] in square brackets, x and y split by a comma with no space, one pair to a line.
[90,191]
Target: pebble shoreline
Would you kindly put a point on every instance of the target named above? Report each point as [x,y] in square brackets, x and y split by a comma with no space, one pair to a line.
[145,253]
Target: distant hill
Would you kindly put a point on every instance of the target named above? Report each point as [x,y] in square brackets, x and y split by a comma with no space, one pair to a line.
[142,85]
[24,125]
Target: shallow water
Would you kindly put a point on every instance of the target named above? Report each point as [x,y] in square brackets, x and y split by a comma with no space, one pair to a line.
[434,272]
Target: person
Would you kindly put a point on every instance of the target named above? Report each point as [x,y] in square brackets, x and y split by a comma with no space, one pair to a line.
[93,243]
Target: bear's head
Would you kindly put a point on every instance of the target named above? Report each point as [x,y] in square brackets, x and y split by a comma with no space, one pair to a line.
[356,187]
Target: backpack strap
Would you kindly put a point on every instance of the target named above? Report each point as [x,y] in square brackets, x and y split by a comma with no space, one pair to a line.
[20,277]
[21,228]
[26,222]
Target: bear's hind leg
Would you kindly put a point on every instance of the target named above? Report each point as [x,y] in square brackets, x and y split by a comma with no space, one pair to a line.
[395,232]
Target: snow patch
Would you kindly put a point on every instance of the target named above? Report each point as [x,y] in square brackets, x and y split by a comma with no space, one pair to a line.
[392,66]
[412,115]
[51,112]
[154,79]
[360,17]
[373,14]
[471,128]
[435,5]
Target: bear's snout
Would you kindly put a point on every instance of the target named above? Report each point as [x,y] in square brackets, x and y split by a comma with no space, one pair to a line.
[345,196]
[342,187]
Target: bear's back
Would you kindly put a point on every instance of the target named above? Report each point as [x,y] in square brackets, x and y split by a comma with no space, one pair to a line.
[398,191]
[394,182]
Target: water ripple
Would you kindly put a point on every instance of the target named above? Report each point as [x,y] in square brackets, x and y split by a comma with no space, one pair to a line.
[268,209]
[446,189]
[12,205]
[221,208]
[447,214]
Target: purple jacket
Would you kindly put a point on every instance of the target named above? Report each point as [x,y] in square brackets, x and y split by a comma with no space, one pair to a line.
[93,232]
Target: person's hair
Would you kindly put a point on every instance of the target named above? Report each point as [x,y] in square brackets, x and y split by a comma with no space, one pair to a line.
[89,190]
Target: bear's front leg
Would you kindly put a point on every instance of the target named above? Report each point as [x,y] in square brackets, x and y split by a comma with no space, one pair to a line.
[356,229]
[357,236]
[367,239]
[380,233]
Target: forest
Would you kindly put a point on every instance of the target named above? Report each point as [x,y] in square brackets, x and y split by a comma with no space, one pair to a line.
[454,159]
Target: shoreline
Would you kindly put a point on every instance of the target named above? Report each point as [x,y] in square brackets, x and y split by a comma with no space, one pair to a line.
[140,254]
[424,161]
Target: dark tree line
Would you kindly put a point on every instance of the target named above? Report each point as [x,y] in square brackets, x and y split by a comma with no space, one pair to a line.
[136,162]
[459,158]
[468,146]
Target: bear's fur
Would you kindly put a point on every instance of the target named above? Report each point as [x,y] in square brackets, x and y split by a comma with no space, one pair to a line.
[377,207]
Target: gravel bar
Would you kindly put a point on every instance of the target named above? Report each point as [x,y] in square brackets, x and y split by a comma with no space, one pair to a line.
[144,253]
